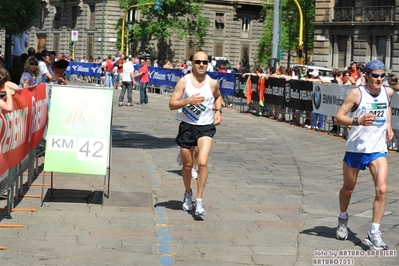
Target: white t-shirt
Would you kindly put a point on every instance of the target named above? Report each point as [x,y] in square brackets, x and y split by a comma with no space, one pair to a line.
[128,68]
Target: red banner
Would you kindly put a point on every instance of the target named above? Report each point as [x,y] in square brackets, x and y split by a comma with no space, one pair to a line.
[22,129]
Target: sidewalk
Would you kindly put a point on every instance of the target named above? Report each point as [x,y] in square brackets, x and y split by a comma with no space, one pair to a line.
[271,199]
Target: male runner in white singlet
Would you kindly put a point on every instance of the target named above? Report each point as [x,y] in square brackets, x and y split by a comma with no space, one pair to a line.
[370,117]
[193,98]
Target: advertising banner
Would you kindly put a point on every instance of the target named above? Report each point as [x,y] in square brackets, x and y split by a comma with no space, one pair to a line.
[78,135]
[22,129]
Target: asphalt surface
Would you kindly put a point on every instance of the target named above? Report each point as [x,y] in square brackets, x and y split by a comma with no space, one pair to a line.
[271,199]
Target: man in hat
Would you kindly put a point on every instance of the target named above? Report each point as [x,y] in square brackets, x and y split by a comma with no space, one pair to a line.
[46,73]
[370,118]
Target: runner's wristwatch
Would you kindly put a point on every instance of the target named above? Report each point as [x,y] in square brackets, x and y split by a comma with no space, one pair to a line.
[218,110]
[355,121]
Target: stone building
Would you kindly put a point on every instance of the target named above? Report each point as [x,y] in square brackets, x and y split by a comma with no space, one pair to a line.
[234,30]
[349,30]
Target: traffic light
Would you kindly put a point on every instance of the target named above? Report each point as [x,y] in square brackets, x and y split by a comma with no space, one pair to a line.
[131,36]
[300,51]
[158,5]
[71,44]
[281,55]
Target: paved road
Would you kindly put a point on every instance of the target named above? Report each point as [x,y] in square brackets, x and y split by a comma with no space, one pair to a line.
[271,199]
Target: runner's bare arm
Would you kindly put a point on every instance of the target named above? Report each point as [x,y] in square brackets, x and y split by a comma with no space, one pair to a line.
[350,101]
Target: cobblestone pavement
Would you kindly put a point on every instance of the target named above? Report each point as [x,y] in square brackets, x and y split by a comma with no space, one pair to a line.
[271,199]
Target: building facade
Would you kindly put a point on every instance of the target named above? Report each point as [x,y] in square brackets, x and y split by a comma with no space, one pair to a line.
[234,30]
[349,30]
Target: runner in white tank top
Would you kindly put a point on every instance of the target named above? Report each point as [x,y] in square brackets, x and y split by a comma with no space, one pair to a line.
[370,118]
[194,97]
[200,114]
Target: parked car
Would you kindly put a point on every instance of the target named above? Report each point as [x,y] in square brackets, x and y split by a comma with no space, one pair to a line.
[325,73]
[222,61]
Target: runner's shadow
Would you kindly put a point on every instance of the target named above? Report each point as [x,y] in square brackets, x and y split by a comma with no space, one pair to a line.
[177,205]
[177,172]
[328,232]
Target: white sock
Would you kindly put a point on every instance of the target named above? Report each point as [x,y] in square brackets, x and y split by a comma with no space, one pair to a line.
[374,228]
[343,215]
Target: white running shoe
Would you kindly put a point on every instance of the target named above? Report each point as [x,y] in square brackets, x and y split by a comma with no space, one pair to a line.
[178,160]
[194,173]
[342,229]
[187,202]
[375,241]
[199,207]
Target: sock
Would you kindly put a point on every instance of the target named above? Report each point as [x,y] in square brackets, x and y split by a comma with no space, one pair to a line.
[374,228]
[343,215]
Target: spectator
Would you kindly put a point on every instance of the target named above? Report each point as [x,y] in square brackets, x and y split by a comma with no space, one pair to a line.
[346,78]
[362,78]
[46,73]
[59,70]
[127,82]
[31,72]
[20,43]
[109,66]
[144,79]
[31,51]
[353,71]
[167,64]
[7,90]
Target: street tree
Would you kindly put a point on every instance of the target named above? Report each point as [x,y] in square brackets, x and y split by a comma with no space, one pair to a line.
[289,31]
[17,16]
[175,18]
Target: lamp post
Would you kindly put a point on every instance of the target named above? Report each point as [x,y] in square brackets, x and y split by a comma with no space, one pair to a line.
[102,31]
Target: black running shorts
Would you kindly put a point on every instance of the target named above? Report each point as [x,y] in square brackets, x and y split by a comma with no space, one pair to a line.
[189,134]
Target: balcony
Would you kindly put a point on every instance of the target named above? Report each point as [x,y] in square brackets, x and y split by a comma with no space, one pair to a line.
[381,13]
[367,14]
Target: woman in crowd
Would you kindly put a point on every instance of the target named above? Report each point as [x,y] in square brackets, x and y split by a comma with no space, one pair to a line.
[31,72]
[347,79]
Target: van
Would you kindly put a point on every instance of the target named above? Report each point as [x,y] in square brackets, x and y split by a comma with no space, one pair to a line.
[325,74]
[222,61]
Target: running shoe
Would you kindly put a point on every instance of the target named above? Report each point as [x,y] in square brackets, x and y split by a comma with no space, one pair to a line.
[342,229]
[199,207]
[194,173]
[187,202]
[178,160]
[375,241]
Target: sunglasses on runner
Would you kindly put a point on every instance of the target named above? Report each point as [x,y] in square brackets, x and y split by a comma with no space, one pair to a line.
[377,75]
[198,62]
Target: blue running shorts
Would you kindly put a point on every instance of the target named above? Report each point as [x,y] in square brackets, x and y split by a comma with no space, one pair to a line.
[361,160]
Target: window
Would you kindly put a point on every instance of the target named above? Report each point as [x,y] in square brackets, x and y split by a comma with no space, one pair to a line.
[57,18]
[345,3]
[383,2]
[381,48]
[219,21]
[92,22]
[245,23]
[74,16]
[218,48]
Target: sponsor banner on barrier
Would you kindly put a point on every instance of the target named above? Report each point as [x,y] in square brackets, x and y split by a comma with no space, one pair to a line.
[295,94]
[395,111]
[158,75]
[78,135]
[170,76]
[83,69]
[327,98]
[22,129]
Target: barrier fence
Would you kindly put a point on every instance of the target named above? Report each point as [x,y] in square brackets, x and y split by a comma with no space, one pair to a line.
[21,130]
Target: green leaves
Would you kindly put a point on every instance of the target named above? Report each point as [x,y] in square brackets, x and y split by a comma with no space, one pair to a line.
[180,18]
[17,16]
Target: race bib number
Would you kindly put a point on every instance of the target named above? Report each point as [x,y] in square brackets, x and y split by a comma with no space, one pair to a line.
[193,112]
[378,109]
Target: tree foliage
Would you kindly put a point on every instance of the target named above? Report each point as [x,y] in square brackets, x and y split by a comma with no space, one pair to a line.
[289,30]
[17,16]
[162,25]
